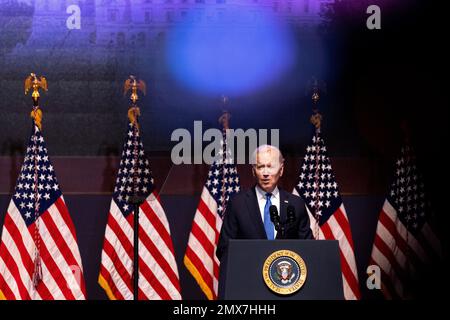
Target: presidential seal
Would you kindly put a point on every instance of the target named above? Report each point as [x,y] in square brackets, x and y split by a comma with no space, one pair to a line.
[284,272]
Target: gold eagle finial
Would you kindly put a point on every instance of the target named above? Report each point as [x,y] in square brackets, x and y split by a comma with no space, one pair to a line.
[134,85]
[34,82]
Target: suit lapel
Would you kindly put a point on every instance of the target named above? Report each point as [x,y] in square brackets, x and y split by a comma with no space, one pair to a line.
[284,202]
[284,196]
[255,214]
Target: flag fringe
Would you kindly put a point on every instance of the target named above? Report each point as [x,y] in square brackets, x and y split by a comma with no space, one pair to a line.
[36,114]
[104,284]
[196,274]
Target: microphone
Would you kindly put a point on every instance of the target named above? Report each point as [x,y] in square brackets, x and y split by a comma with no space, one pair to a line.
[290,214]
[274,216]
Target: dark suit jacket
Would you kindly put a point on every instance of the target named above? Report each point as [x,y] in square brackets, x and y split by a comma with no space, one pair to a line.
[243,219]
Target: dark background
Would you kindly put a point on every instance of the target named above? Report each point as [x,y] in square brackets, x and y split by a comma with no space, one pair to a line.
[373,79]
[376,79]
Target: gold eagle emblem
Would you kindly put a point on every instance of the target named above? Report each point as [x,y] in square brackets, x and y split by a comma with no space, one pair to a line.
[134,85]
[34,82]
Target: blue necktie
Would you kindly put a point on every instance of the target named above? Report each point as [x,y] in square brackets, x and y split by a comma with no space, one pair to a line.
[268,225]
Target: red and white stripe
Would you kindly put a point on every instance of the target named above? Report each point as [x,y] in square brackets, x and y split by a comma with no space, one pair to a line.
[62,269]
[158,272]
[200,258]
[337,227]
[399,253]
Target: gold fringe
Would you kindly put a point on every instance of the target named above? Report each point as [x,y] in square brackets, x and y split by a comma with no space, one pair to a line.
[316,120]
[104,284]
[36,114]
[196,274]
[133,113]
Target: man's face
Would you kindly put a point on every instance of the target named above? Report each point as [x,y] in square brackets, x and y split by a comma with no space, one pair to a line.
[268,169]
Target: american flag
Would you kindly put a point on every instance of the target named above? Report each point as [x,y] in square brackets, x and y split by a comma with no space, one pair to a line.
[158,272]
[405,242]
[38,228]
[200,257]
[318,188]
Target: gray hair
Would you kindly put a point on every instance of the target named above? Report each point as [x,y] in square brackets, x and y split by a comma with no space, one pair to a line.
[266,148]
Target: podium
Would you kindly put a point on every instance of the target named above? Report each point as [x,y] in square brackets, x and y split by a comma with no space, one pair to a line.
[242,276]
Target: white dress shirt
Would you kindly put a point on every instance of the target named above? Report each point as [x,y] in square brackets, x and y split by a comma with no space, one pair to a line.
[274,199]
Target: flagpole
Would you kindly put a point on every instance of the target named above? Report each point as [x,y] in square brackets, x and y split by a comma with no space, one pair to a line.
[136,200]
[34,82]
[316,121]
[225,121]
[406,135]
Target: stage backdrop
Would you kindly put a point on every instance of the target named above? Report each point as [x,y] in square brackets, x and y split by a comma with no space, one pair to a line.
[87,183]
[262,55]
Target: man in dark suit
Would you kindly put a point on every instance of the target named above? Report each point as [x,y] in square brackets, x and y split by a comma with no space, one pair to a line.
[247,215]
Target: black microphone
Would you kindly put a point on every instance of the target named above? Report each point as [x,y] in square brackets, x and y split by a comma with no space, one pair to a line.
[274,216]
[290,214]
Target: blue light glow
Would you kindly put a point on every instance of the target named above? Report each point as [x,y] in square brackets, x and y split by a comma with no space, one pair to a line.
[230,57]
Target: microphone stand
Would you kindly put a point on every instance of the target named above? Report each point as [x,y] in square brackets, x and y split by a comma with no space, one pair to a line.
[282,231]
[278,225]
[282,226]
